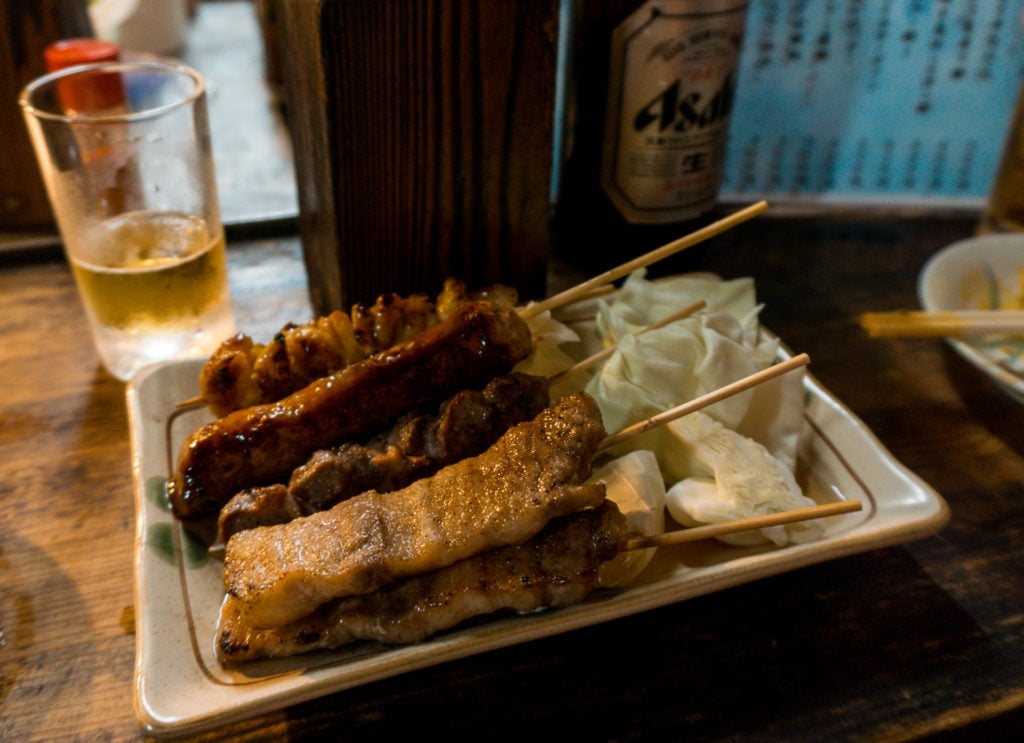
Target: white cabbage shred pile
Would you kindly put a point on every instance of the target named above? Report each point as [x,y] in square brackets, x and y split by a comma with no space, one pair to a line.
[735,458]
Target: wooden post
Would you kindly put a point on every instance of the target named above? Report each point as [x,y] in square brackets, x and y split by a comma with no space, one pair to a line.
[25,31]
[423,142]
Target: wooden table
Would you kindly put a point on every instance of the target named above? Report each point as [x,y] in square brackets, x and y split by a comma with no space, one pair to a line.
[895,644]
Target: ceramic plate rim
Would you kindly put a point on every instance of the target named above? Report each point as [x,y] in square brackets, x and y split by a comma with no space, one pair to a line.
[912,510]
[951,258]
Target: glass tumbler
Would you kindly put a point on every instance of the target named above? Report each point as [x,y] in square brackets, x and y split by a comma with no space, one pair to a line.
[124,150]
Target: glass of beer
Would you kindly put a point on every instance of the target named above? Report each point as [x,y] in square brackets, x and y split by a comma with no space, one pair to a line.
[124,150]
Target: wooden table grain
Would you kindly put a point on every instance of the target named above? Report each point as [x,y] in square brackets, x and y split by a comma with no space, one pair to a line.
[924,640]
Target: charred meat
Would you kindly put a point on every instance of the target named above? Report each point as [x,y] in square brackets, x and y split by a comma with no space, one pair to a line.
[535,472]
[418,446]
[558,567]
[265,443]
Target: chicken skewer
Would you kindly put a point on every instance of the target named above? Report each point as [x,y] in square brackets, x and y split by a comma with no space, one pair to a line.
[241,373]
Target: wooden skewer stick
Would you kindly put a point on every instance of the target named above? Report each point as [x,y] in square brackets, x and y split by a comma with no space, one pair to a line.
[748,524]
[603,354]
[597,292]
[705,233]
[588,288]
[958,323]
[776,370]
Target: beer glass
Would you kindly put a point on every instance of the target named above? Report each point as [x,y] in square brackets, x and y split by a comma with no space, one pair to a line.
[124,150]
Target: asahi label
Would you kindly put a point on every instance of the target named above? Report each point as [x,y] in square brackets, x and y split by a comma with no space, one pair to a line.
[673,68]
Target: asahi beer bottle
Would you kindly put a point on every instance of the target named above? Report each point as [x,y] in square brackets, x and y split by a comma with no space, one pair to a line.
[651,90]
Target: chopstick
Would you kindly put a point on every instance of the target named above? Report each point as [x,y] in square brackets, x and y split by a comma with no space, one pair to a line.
[957,323]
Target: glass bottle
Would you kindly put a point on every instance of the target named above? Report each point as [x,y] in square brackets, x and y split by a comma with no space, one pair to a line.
[651,86]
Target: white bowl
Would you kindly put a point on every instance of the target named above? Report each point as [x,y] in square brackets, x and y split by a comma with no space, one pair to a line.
[981,273]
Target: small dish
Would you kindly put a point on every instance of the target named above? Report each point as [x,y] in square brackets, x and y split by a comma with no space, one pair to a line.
[981,273]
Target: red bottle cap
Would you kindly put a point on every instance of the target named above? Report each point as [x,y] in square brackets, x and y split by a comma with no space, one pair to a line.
[70,52]
[95,92]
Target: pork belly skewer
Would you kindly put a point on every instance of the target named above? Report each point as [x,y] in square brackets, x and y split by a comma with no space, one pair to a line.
[534,473]
[559,567]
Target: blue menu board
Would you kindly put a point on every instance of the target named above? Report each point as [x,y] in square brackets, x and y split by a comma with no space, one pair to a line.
[888,102]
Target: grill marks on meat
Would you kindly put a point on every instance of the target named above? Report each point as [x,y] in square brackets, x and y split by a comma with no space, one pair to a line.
[558,567]
[241,373]
[416,447]
[506,495]
[265,443]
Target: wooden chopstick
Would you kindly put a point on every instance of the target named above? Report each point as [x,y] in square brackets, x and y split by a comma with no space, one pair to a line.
[956,323]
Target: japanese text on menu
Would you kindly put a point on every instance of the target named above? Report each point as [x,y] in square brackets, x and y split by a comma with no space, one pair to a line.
[889,101]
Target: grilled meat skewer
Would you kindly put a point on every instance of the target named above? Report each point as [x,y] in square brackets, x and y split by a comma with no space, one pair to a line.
[558,567]
[418,446]
[533,473]
[264,443]
[241,373]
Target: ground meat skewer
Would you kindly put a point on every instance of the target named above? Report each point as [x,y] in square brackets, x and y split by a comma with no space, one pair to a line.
[534,473]
[265,443]
[558,567]
[418,446]
[241,373]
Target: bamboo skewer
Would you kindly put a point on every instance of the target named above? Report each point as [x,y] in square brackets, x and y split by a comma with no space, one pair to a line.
[956,323]
[705,233]
[575,368]
[600,284]
[776,370]
[603,354]
[697,533]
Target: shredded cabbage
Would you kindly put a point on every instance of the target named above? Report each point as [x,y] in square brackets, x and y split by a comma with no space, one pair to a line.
[635,485]
[733,459]
[723,476]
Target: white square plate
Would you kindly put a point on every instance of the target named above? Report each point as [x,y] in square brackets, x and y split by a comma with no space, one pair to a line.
[181,688]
